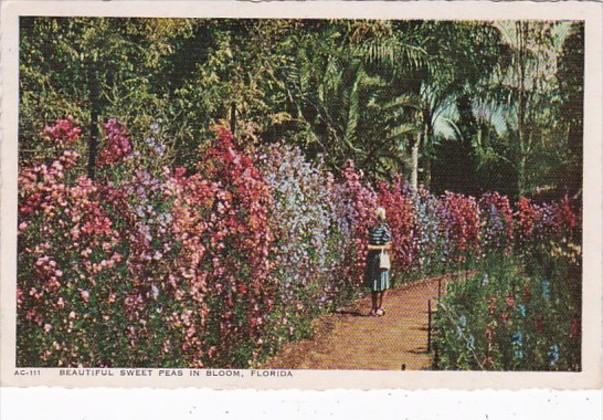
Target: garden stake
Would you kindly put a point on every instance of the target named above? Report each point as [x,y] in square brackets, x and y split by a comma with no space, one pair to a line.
[428,325]
[436,356]
[233,118]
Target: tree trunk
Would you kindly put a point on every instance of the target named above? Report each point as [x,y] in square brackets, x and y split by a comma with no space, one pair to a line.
[427,171]
[414,174]
[521,113]
[93,100]
[521,173]
[426,157]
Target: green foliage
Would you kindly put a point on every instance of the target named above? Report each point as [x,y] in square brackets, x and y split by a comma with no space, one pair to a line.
[507,94]
[513,314]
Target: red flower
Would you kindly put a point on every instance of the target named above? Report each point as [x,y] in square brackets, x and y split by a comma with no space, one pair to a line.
[492,305]
[510,300]
[575,329]
[401,219]
[64,131]
[527,217]
[117,145]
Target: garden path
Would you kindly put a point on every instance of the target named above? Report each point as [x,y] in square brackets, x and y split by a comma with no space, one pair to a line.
[350,339]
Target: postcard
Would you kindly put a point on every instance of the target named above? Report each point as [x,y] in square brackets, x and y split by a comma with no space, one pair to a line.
[305,195]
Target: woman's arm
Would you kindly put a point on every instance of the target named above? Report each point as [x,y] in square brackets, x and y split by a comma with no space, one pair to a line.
[380,247]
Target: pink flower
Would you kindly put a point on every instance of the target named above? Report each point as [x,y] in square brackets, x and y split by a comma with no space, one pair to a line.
[85,295]
[117,146]
[64,131]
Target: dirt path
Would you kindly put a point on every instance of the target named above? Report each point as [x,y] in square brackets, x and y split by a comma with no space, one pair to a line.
[349,339]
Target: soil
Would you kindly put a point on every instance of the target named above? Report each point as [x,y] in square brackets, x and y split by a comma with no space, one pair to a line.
[352,339]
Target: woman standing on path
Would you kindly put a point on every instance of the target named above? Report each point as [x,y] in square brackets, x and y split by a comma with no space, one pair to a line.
[377,277]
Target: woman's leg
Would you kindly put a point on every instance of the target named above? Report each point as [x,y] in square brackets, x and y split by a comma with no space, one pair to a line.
[381,295]
[374,299]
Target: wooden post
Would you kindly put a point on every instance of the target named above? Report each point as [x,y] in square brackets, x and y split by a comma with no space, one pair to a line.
[436,353]
[428,325]
[233,118]
[93,99]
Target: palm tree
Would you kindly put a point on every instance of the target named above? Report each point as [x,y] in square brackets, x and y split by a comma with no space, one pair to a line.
[517,96]
[342,92]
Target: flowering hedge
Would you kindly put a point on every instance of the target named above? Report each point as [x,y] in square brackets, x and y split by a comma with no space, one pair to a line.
[306,250]
[460,222]
[538,223]
[497,225]
[221,224]
[397,200]
[69,257]
[355,204]
[519,312]
[430,237]
[218,265]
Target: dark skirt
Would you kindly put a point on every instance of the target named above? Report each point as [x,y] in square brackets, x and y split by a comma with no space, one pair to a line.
[376,278]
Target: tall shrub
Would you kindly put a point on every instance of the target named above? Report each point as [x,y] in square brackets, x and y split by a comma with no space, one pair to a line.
[397,200]
[355,205]
[460,222]
[497,222]
[70,263]
[429,237]
[307,251]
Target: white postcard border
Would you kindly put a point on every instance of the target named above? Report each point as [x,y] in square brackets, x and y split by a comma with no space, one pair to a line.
[589,377]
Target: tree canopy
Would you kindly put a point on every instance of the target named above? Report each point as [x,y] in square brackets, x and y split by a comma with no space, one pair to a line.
[484,105]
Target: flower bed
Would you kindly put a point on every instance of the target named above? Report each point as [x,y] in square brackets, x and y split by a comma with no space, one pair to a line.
[220,264]
[509,318]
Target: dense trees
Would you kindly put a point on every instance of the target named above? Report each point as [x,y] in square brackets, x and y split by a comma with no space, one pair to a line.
[466,106]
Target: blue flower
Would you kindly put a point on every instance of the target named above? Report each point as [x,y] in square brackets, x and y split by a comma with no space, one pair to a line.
[554,354]
[522,310]
[471,342]
[546,289]
[517,340]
